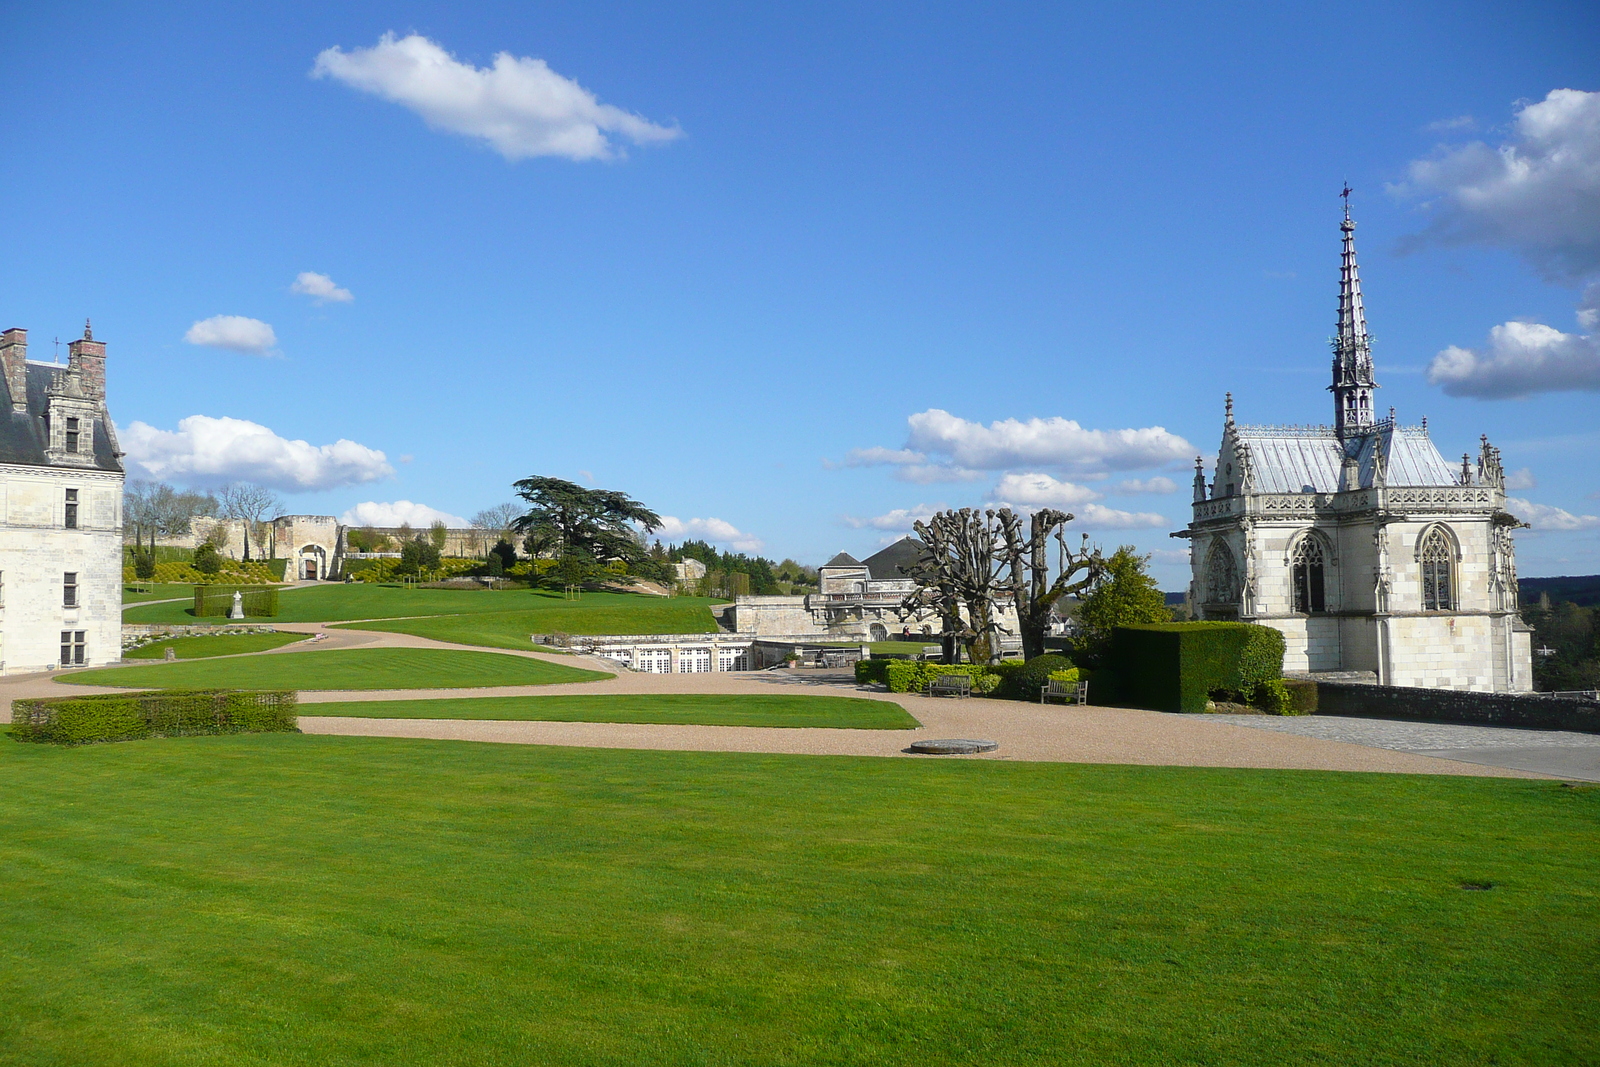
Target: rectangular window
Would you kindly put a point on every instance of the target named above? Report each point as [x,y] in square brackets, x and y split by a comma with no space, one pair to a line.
[72,648]
[69,589]
[72,509]
[72,435]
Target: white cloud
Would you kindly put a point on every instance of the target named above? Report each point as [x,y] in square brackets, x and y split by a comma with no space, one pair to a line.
[209,452]
[320,288]
[1538,193]
[1028,492]
[1157,484]
[233,332]
[519,106]
[1522,358]
[400,513]
[1041,491]
[714,530]
[1054,442]
[1545,517]
[899,519]
[1522,479]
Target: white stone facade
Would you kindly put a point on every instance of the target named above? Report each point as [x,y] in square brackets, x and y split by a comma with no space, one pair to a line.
[1359,541]
[60,512]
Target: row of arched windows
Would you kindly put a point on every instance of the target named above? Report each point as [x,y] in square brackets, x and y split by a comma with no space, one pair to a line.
[1309,569]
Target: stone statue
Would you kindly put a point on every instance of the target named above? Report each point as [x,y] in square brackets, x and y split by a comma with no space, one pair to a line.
[237,611]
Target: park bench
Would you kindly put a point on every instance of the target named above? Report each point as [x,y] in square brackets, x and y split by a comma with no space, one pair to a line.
[840,659]
[1078,692]
[953,685]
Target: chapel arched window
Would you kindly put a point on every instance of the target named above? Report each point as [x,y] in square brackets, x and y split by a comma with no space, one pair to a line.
[1436,555]
[1310,596]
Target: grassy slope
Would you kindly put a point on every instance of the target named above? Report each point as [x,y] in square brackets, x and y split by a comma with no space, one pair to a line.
[296,900]
[702,709]
[219,645]
[596,613]
[349,668]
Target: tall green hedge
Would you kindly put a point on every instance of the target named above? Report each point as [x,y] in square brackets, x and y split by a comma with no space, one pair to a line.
[1176,666]
[80,720]
[215,601]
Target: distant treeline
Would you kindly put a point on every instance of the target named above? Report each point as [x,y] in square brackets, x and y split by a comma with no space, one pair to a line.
[1582,590]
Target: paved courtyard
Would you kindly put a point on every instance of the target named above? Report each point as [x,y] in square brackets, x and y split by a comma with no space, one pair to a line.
[1562,753]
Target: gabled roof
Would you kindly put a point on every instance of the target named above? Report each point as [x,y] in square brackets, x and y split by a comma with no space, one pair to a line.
[1298,459]
[895,561]
[22,433]
[843,559]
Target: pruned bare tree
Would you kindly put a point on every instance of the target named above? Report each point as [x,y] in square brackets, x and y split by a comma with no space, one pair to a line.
[957,568]
[976,559]
[254,505]
[498,521]
[1028,559]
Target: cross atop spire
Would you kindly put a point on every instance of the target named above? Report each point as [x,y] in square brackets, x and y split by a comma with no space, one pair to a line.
[1352,346]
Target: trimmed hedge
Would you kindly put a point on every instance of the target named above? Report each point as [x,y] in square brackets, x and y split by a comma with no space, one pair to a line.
[913,676]
[1024,681]
[1302,696]
[215,601]
[84,720]
[1176,666]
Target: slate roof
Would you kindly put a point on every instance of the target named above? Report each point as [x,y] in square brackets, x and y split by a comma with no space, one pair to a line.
[843,559]
[22,438]
[895,561]
[1297,459]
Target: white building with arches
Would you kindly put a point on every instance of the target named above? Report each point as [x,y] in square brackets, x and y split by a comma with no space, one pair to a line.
[1359,541]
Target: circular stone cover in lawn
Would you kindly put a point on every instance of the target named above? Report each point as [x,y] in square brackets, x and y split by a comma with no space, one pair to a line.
[953,747]
[345,668]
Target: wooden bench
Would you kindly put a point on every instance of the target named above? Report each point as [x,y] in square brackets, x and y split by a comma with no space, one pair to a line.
[1078,692]
[952,685]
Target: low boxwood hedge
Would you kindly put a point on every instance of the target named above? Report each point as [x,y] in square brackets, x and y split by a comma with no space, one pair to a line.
[1177,666]
[81,720]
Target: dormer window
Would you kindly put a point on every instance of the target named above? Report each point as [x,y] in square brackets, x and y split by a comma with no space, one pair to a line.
[72,435]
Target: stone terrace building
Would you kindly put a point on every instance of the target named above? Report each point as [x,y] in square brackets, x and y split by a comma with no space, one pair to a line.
[60,510]
[1359,541]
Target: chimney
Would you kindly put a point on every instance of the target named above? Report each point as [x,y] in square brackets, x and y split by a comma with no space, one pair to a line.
[88,358]
[14,354]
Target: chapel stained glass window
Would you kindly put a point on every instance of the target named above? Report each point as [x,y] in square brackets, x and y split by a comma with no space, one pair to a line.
[1309,584]
[1435,555]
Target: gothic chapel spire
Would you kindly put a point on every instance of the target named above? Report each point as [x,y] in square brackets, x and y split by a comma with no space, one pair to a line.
[1352,347]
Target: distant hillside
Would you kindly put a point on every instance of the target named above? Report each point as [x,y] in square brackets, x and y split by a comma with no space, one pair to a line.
[1583,590]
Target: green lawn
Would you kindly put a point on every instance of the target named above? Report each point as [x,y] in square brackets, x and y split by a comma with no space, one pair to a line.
[205,645]
[156,591]
[345,668]
[539,611]
[701,709]
[286,899]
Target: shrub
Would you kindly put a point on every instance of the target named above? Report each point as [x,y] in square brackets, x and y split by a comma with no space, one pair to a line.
[873,671]
[80,720]
[1024,682]
[1272,697]
[213,601]
[206,560]
[1177,666]
[144,565]
[1302,696]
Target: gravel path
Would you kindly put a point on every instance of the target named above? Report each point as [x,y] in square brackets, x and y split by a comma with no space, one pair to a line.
[1024,731]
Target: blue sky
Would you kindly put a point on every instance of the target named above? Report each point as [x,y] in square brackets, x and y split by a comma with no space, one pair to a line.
[777,272]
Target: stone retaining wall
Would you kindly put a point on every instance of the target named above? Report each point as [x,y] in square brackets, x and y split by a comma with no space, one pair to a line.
[1453,705]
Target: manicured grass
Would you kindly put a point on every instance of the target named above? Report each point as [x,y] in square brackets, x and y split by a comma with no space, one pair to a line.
[544,612]
[345,668]
[887,646]
[156,591]
[206,645]
[284,899]
[505,629]
[696,708]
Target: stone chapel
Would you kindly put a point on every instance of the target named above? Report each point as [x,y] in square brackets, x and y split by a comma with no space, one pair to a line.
[1359,541]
